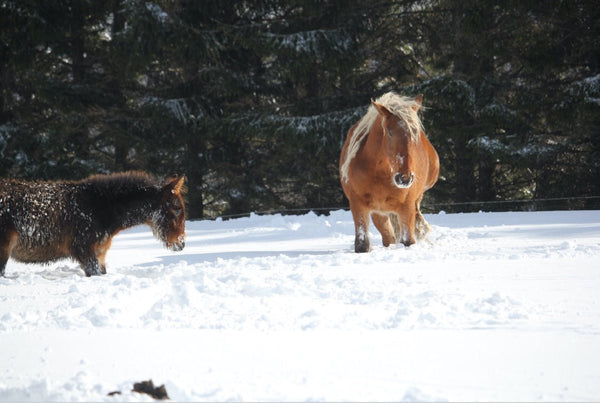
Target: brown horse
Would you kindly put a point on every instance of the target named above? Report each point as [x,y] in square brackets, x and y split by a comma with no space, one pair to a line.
[42,222]
[386,165]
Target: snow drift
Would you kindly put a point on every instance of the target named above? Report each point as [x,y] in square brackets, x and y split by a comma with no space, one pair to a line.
[492,306]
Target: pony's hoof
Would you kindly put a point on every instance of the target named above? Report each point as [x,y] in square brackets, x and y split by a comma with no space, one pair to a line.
[362,248]
[93,272]
[408,242]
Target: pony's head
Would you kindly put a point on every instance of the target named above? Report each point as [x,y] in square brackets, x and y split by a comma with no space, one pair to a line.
[401,128]
[168,220]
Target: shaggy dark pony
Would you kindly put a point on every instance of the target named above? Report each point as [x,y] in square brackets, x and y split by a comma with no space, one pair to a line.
[42,222]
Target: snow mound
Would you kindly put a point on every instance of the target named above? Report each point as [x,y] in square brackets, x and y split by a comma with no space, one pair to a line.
[491,306]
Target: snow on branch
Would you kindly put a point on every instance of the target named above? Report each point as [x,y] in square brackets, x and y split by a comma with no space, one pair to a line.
[588,89]
[312,42]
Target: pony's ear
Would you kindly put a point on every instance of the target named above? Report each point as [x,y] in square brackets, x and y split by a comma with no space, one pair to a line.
[382,109]
[175,184]
[418,102]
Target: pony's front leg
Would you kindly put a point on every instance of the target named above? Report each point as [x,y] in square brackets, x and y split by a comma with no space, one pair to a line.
[384,226]
[92,267]
[89,262]
[361,229]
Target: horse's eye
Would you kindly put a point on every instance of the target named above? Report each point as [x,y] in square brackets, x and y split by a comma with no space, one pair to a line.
[389,132]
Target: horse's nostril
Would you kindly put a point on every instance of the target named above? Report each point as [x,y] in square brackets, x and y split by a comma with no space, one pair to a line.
[404,181]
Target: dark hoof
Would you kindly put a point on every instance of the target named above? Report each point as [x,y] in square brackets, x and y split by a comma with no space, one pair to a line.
[362,247]
[94,272]
[408,242]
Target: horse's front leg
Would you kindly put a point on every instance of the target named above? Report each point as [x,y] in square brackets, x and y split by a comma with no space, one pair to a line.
[361,229]
[91,267]
[384,226]
[91,255]
[88,261]
[100,250]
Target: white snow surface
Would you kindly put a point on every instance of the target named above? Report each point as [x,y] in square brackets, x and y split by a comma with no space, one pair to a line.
[491,307]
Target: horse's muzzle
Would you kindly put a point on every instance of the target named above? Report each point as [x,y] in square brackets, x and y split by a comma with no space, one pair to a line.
[178,246]
[404,181]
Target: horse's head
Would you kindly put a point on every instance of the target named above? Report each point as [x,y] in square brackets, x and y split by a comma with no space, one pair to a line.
[168,221]
[401,132]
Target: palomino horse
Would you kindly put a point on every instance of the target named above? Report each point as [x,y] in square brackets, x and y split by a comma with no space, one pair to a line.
[386,165]
[45,221]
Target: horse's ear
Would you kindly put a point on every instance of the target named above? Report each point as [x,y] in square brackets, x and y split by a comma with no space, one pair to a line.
[175,184]
[419,102]
[382,109]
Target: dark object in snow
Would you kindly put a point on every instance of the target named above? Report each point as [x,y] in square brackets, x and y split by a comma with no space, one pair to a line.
[115,393]
[42,222]
[386,165]
[147,387]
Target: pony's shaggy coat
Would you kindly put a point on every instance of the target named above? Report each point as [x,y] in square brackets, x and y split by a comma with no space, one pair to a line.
[45,221]
[386,165]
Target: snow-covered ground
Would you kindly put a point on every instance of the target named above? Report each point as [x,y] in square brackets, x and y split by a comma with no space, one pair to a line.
[493,306]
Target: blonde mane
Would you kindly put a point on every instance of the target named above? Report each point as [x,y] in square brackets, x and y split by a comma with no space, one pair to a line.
[404,108]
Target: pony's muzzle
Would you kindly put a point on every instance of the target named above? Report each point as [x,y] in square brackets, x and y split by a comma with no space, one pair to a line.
[178,246]
[404,181]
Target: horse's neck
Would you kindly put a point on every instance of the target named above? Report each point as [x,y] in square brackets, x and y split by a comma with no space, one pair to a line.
[373,142]
[130,207]
[139,214]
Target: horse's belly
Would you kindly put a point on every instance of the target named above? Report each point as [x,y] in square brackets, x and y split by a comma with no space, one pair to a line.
[30,251]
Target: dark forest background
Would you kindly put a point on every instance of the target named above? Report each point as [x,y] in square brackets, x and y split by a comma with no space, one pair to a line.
[252,99]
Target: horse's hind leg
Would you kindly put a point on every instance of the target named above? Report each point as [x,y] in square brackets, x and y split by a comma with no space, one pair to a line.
[404,226]
[8,240]
[384,226]
[3,261]
[422,228]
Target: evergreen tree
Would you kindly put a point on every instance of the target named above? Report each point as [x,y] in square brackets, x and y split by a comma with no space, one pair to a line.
[252,100]
[500,73]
